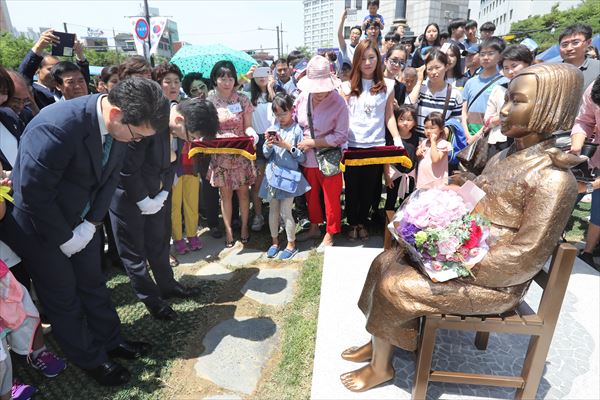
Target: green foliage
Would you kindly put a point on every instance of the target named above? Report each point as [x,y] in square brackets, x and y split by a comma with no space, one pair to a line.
[588,12]
[104,58]
[13,50]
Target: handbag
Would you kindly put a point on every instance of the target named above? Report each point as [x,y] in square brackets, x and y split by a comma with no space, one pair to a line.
[328,159]
[474,156]
[283,178]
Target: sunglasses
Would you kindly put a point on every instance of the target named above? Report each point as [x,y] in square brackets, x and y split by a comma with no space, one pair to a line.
[396,62]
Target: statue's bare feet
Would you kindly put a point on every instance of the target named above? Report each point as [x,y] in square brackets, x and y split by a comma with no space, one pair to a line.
[359,354]
[365,378]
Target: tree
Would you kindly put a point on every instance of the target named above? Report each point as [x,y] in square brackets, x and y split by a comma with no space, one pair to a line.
[13,50]
[540,27]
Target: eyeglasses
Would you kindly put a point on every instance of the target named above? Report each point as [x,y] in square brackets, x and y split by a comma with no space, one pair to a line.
[488,53]
[282,114]
[396,62]
[136,136]
[572,43]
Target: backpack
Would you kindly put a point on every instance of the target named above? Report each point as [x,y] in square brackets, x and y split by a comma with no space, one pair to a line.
[456,136]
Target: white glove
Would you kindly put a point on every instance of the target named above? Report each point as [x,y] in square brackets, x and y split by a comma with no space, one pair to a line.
[149,206]
[82,234]
[162,196]
[398,142]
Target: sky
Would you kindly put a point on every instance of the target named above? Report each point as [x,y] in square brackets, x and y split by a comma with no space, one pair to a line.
[233,23]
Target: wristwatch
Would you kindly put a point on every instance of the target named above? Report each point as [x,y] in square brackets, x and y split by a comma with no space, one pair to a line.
[589,187]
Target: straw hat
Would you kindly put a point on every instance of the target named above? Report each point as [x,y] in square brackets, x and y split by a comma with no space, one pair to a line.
[318,77]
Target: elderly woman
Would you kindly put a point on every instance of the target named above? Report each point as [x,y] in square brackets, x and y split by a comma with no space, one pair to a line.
[530,195]
[329,129]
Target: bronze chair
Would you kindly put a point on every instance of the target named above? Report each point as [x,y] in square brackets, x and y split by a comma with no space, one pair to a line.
[523,320]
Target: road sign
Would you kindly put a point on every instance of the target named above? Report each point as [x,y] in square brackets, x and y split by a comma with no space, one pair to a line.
[141,29]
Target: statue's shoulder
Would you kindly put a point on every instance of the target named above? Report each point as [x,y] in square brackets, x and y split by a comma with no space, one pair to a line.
[562,160]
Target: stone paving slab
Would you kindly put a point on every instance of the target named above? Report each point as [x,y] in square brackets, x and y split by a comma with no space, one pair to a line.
[236,350]
[224,397]
[214,272]
[572,367]
[273,287]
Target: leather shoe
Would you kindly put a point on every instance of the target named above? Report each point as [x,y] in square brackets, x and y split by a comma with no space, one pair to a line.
[130,350]
[109,373]
[181,292]
[163,312]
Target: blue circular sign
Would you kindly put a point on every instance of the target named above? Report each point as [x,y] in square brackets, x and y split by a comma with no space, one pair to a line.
[141,29]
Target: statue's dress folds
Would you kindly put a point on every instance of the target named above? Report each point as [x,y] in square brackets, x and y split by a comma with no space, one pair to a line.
[529,197]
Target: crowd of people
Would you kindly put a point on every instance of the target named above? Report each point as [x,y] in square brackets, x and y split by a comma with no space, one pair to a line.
[83,172]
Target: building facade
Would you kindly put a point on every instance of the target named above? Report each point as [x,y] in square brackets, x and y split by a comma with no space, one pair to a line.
[322,17]
[504,12]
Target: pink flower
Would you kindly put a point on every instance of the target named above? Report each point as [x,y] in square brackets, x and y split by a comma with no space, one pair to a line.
[437,266]
[448,246]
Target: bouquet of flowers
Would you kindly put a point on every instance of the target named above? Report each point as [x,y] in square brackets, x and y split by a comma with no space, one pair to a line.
[441,235]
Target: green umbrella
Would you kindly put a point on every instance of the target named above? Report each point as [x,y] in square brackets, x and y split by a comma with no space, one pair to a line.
[202,58]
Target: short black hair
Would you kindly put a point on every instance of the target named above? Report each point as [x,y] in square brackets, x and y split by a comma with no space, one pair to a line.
[574,29]
[61,68]
[470,24]
[281,61]
[294,57]
[487,27]
[283,101]
[221,69]
[356,27]
[595,94]
[107,72]
[200,116]
[393,36]
[436,118]
[516,52]
[160,71]
[186,84]
[456,23]
[142,102]
[372,3]
[495,43]
[444,35]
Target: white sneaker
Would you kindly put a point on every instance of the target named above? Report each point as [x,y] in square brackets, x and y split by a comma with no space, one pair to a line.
[257,223]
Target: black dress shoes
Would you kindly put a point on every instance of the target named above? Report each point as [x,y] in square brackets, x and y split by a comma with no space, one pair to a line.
[109,373]
[181,292]
[163,312]
[130,350]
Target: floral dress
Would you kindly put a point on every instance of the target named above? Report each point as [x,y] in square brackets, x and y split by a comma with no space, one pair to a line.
[229,170]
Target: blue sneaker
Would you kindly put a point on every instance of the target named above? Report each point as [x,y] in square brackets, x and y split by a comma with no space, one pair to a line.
[272,252]
[288,254]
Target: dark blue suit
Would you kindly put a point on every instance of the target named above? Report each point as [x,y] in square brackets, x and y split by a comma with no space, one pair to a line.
[42,95]
[144,239]
[58,173]
[11,121]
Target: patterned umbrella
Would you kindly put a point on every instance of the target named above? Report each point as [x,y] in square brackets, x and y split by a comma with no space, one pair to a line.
[202,58]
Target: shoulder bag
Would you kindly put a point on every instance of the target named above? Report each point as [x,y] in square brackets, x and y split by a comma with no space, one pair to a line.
[328,159]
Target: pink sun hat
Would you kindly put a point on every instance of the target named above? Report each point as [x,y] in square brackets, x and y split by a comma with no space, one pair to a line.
[318,77]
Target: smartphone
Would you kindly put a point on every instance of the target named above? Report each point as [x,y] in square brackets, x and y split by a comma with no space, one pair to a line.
[65,45]
[272,135]
[261,72]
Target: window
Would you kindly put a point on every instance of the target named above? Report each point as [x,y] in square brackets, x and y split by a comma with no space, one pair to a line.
[359,4]
[511,11]
[348,4]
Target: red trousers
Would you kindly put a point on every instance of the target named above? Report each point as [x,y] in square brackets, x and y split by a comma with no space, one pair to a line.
[332,191]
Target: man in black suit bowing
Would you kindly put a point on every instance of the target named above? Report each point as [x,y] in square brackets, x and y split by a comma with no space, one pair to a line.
[66,172]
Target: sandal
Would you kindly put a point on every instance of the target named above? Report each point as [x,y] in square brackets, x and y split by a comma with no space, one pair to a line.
[229,244]
[173,261]
[353,233]
[363,233]
[245,240]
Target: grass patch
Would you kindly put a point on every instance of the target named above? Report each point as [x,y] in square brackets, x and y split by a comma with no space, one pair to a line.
[291,377]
